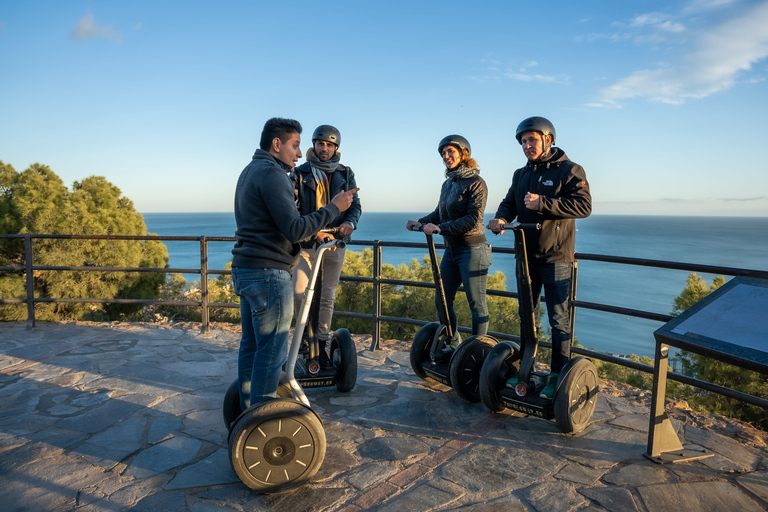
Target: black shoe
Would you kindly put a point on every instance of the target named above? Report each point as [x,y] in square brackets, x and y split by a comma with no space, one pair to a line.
[325,362]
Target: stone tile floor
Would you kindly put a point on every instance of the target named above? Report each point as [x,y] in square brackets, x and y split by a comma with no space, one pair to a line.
[113,417]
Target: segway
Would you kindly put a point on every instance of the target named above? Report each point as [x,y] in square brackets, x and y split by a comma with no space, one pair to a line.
[433,357]
[309,372]
[280,444]
[508,379]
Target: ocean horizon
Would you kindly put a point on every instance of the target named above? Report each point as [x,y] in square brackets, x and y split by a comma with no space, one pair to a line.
[737,242]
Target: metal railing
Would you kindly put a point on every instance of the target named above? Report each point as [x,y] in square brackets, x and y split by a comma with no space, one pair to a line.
[377,281]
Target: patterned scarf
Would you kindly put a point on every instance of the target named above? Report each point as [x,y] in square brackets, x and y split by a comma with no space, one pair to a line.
[321,171]
[460,172]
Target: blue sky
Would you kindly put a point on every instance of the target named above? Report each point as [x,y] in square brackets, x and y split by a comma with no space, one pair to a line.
[663,103]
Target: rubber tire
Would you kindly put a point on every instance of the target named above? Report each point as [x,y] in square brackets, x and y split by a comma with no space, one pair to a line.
[283,425]
[231,408]
[501,363]
[576,396]
[344,357]
[466,365]
[422,343]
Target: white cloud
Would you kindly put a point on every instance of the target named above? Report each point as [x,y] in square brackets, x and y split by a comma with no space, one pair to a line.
[87,29]
[522,77]
[718,55]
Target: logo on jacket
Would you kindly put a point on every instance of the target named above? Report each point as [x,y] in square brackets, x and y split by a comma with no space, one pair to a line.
[548,183]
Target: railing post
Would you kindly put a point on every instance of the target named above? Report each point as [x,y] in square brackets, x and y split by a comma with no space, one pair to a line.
[572,305]
[204,282]
[376,333]
[30,281]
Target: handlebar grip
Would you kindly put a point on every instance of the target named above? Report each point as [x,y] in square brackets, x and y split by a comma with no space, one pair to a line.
[522,225]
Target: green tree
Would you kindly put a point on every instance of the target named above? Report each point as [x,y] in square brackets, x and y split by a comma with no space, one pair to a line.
[37,201]
[714,371]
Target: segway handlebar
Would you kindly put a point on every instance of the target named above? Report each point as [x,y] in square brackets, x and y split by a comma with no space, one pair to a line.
[334,241]
[535,226]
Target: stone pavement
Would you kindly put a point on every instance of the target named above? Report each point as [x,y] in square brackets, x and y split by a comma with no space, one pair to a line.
[112,417]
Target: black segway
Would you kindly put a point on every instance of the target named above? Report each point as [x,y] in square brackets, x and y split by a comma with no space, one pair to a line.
[433,357]
[508,379]
[280,444]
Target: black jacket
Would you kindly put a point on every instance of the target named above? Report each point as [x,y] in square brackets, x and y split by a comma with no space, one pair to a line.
[565,196]
[459,213]
[268,225]
[305,196]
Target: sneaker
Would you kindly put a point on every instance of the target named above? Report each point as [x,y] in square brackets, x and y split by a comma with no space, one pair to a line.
[549,390]
[512,382]
[325,362]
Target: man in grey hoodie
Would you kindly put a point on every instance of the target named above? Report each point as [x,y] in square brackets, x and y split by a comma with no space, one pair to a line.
[269,228]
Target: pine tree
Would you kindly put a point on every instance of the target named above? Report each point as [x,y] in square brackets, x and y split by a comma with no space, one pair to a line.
[37,201]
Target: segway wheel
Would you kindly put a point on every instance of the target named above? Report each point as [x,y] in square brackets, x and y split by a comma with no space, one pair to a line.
[344,357]
[466,365]
[576,396]
[277,446]
[420,347]
[231,408]
[502,363]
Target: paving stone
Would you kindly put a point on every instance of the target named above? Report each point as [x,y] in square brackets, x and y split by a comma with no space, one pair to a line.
[555,496]
[212,470]
[169,454]
[306,499]
[371,473]
[756,483]
[701,497]
[99,418]
[579,474]
[739,458]
[337,460]
[612,498]
[642,473]
[392,448]
[605,447]
[495,468]
[115,443]
[424,497]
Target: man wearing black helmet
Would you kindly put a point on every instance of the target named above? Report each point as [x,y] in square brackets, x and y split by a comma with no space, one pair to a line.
[315,182]
[551,190]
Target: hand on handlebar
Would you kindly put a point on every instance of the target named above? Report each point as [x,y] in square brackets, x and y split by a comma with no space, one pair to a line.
[497,226]
[412,225]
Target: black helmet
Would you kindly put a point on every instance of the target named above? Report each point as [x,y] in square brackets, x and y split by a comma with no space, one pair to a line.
[454,140]
[536,124]
[327,133]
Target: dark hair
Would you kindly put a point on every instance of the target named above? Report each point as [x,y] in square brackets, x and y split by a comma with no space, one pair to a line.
[278,127]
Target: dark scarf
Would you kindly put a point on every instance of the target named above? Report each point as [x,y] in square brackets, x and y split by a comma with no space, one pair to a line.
[461,172]
[328,166]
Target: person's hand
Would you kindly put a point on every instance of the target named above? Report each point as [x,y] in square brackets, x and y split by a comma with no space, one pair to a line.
[346,229]
[430,229]
[532,201]
[412,224]
[321,237]
[496,226]
[343,200]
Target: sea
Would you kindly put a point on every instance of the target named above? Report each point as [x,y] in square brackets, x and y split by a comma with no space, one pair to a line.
[740,242]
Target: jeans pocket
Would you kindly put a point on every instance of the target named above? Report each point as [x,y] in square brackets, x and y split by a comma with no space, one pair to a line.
[254,291]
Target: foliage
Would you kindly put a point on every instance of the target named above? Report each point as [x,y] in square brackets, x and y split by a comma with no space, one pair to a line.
[410,301]
[714,371]
[37,201]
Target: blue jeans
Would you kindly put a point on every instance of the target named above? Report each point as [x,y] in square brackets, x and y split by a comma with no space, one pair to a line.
[266,308]
[467,265]
[556,280]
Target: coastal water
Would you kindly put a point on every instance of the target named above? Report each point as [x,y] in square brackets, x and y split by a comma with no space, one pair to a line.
[727,241]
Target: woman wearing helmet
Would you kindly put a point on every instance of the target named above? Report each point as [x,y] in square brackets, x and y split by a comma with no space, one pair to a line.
[459,219]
